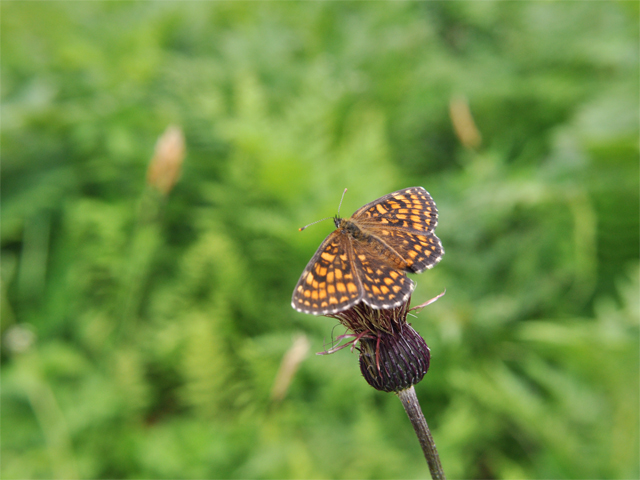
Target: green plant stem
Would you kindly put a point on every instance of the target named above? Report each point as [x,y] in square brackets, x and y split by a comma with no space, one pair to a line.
[50,417]
[144,245]
[412,407]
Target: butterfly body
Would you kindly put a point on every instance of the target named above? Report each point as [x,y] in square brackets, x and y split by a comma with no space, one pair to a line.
[366,257]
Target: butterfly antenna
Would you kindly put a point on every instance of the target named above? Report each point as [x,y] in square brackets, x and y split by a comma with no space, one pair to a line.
[326,218]
[313,223]
[345,191]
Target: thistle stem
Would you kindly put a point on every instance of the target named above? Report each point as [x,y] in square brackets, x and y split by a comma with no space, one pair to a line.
[412,407]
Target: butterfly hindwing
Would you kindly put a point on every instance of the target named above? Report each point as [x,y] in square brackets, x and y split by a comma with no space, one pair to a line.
[383,285]
[419,251]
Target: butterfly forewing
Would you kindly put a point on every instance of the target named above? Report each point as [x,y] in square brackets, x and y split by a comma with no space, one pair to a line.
[409,209]
[328,283]
[404,221]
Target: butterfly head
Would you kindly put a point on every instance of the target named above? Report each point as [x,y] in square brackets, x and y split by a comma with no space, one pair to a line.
[337,220]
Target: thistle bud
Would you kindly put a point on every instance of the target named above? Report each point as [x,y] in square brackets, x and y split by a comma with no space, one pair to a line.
[393,356]
[394,361]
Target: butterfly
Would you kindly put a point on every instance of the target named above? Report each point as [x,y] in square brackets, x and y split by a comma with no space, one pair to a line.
[366,257]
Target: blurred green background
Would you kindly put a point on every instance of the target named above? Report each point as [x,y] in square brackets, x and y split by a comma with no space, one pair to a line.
[142,334]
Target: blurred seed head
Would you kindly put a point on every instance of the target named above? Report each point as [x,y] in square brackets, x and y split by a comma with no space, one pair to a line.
[463,123]
[19,338]
[289,366]
[166,165]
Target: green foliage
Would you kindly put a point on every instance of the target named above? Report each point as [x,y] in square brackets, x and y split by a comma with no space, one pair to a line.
[142,335]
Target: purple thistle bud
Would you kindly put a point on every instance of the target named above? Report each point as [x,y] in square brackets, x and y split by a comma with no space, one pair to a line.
[394,361]
[393,356]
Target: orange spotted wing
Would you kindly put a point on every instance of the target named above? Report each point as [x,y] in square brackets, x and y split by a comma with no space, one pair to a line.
[365,258]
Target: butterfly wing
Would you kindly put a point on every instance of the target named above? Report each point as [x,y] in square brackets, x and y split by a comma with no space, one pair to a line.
[384,286]
[328,284]
[411,209]
[404,222]
[420,252]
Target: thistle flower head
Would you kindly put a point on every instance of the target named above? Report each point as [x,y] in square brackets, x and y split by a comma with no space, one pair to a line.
[393,356]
